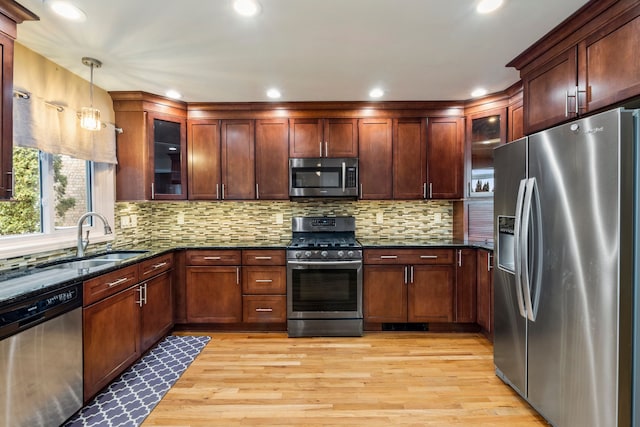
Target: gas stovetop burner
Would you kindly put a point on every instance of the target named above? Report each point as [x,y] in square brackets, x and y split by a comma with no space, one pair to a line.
[324,238]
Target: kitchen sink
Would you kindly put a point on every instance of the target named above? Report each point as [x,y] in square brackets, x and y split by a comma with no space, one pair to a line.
[118,255]
[92,261]
[85,263]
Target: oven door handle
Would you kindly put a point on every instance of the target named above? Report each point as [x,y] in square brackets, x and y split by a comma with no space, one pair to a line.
[325,263]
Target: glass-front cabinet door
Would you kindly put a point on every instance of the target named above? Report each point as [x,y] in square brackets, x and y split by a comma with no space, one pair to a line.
[168,157]
[486,131]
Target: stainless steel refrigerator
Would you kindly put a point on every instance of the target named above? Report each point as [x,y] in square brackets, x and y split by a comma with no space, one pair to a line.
[566,319]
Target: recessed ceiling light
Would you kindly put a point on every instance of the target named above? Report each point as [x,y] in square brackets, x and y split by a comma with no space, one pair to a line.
[274,93]
[173,94]
[488,6]
[376,92]
[246,7]
[66,10]
[479,92]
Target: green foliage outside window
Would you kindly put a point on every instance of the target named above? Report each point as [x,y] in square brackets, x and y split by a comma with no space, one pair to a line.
[22,215]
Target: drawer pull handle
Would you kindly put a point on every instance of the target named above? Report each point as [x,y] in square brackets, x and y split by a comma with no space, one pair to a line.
[263,257]
[264,310]
[428,256]
[160,264]
[264,281]
[117,282]
[214,258]
[388,256]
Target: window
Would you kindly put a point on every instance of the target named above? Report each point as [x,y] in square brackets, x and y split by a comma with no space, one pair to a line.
[51,191]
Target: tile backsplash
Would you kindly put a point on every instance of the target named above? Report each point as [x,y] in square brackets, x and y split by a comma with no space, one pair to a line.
[201,223]
[144,224]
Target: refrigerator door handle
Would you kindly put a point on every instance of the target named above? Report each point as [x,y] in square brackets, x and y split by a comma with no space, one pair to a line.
[517,235]
[530,193]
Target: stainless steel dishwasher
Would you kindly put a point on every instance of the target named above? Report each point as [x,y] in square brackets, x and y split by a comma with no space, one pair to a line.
[41,359]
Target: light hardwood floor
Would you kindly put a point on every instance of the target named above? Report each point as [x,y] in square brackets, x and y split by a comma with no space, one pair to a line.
[381,379]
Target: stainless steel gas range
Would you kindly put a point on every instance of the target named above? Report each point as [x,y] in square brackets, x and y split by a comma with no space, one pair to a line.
[324,278]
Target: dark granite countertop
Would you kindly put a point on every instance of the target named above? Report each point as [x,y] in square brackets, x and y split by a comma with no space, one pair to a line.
[20,284]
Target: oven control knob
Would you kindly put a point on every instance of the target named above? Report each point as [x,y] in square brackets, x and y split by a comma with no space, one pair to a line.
[350,253]
[324,254]
[298,254]
[340,253]
[307,254]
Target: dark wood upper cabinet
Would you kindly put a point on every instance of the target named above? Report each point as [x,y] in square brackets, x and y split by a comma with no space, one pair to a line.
[203,146]
[409,158]
[238,159]
[375,160]
[445,158]
[323,137]
[167,156]
[11,14]
[586,64]
[549,92]
[486,130]
[272,154]
[152,150]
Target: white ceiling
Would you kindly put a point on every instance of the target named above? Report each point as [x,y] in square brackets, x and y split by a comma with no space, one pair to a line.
[312,50]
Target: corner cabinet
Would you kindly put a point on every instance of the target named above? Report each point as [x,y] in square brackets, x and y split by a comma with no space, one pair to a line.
[591,65]
[11,14]
[152,162]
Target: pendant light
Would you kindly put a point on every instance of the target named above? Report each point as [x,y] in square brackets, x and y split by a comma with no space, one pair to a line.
[89,116]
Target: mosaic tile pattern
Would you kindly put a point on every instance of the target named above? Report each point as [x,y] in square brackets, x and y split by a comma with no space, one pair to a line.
[203,223]
[130,399]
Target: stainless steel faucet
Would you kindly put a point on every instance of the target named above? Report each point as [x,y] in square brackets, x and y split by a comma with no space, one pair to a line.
[83,243]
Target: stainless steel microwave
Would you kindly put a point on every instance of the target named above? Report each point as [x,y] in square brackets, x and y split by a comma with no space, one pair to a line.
[323,177]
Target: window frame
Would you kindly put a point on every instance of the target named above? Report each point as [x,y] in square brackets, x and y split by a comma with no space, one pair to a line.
[102,201]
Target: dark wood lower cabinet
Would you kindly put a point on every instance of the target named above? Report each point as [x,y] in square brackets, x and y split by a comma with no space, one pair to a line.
[385,293]
[465,302]
[111,333]
[484,274]
[431,293]
[157,314]
[214,294]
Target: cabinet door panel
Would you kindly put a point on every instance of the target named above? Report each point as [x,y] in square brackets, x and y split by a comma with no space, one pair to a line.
[612,64]
[431,294]
[484,275]
[465,289]
[545,92]
[384,293]
[264,308]
[167,139]
[375,159]
[238,159]
[272,159]
[445,158]
[264,280]
[341,137]
[111,334]
[157,311]
[204,160]
[305,136]
[214,295]
[409,158]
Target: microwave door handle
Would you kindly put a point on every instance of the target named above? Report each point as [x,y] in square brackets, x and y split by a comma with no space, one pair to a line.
[344,177]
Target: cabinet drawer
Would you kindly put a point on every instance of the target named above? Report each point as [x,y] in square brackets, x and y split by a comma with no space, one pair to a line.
[157,265]
[263,257]
[409,256]
[264,309]
[108,284]
[213,257]
[264,280]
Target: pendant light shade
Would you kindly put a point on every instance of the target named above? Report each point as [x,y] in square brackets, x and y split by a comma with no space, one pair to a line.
[89,116]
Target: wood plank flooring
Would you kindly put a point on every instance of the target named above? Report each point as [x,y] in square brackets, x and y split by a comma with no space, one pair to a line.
[381,379]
